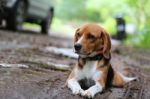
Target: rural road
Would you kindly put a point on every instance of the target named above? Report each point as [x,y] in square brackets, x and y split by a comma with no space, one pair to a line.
[26,70]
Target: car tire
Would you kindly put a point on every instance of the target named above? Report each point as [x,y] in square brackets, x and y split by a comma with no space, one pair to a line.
[46,23]
[17,15]
[0,21]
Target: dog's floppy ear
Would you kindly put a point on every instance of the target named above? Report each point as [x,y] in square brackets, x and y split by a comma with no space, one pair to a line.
[107,44]
[75,35]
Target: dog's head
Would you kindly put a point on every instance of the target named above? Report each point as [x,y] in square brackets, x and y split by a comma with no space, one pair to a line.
[91,39]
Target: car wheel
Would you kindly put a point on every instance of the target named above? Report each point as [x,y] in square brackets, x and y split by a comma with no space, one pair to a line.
[0,21]
[17,16]
[46,23]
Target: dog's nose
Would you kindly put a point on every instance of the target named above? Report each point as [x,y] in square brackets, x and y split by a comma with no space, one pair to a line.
[77,47]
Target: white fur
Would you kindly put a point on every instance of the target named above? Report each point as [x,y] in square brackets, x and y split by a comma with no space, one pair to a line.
[74,86]
[89,71]
[127,79]
[81,38]
[92,91]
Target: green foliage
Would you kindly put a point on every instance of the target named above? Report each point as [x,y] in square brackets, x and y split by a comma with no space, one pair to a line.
[140,39]
[93,15]
[145,41]
[71,9]
[78,12]
[140,12]
[110,26]
[61,29]
[98,11]
[141,18]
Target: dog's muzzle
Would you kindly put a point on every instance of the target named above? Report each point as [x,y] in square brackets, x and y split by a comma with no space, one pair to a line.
[77,47]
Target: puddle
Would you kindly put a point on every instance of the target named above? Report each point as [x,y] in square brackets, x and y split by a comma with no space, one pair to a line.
[59,66]
[62,51]
[47,65]
[14,65]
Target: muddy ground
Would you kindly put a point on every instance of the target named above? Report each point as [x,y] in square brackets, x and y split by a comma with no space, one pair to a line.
[40,81]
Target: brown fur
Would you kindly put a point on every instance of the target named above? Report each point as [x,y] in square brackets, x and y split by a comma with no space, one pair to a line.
[96,39]
[100,43]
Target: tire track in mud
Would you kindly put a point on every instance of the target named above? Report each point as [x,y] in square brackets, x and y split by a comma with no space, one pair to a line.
[43,83]
[135,89]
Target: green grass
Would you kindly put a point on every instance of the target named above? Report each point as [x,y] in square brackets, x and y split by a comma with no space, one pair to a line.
[62,29]
[66,28]
[30,26]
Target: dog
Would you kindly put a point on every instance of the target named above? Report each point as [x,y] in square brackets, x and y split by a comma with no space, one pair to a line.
[93,72]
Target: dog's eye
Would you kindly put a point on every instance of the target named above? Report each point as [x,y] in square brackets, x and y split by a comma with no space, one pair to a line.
[91,37]
[78,34]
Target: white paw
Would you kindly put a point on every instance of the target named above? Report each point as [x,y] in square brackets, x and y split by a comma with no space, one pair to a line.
[87,94]
[77,91]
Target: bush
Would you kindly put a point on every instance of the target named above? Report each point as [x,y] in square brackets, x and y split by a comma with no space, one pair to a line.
[145,41]
[140,39]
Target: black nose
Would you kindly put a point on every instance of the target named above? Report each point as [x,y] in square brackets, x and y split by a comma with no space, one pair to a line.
[77,47]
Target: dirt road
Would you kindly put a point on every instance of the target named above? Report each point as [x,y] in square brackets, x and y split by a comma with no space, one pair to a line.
[40,81]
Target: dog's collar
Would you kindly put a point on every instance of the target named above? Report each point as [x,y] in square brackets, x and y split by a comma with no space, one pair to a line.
[98,57]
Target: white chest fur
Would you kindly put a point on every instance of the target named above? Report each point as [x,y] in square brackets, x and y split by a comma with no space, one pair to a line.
[88,71]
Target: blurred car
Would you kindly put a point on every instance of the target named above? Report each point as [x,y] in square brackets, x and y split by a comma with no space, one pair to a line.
[15,12]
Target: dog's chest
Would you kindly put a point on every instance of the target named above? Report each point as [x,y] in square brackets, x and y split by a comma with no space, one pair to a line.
[88,71]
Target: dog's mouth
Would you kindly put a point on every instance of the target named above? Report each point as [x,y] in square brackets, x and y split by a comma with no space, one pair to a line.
[83,54]
[80,53]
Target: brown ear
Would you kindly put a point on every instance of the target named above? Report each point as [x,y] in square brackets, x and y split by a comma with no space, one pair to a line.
[75,35]
[107,44]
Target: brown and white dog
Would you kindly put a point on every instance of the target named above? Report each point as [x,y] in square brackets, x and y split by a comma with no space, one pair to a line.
[93,72]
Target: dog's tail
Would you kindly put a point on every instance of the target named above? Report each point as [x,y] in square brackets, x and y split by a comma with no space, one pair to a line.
[119,80]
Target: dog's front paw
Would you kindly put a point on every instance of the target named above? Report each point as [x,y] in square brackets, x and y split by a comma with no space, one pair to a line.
[87,94]
[77,91]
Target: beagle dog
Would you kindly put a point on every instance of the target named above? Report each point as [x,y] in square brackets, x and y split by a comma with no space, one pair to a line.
[93,72]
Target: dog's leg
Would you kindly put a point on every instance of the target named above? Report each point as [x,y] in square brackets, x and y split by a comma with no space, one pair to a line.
[73,83]
[93,90]
[74,86]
